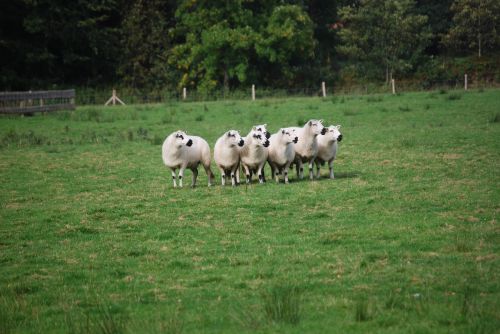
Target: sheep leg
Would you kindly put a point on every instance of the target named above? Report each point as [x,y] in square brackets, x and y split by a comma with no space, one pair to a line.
[210,175]
[222,176]
[174,178]
[330,166]
[233,179]
[195,175]
[277,175]
[300,169]
[181,174]
[311,170]
[285,173]
[318,166]
[247,173]
[238,173]
[260,172]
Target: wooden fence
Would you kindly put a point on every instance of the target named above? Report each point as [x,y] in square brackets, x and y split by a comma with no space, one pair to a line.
[40,101]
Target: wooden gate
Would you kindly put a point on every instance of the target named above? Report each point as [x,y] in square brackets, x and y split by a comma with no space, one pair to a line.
[40,101]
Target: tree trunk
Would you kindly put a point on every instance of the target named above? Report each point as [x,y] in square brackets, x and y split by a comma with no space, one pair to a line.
[226,79]
[479,44]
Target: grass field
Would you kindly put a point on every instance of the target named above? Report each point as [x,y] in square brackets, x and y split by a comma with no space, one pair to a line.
[94,239]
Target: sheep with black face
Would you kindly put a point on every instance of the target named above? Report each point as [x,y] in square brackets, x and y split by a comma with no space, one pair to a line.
[227,155]
[254,154]
[180,151]
[306,148]
[328,148]
[281,152]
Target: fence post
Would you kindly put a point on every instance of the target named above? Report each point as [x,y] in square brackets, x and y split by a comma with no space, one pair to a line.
[253,92]
[393,86]
[184,93]
[112,99]
[465,81]
[323,88]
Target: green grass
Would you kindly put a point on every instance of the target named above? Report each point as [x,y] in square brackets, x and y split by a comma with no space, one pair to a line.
[94,239]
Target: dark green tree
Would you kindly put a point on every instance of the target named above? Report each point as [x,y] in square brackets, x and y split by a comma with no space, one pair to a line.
[383,36]
[66,42]
[476,25]
[145,44]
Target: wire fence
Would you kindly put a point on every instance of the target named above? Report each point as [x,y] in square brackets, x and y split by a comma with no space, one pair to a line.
[129,96]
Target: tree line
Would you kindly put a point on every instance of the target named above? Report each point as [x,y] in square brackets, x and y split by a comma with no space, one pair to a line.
[207,45]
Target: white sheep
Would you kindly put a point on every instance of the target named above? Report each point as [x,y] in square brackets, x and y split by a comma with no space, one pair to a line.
[261,128]
[254,154]
[306,148]
[227,155]
[281,153]
[180,151]
[327,148]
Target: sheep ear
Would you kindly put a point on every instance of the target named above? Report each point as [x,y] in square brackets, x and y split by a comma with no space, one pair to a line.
[338,126]
[282,131]
[265,125]
[310,123]
[229,133]
[254,128]
[321,121]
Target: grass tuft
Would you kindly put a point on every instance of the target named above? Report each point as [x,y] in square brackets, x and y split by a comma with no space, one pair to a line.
[454,96]
[372,99]
[362,311]
[496,118]
[283,304]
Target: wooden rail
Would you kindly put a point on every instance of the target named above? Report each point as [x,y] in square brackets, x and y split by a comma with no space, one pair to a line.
[39,101]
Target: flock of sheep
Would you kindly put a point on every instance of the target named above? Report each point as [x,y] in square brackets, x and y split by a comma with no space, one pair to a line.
[313,144]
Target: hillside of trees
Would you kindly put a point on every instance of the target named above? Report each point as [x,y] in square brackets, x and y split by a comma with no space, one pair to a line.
[209,45]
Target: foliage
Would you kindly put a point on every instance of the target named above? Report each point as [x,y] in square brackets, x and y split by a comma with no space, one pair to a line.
[286,41]
[210,45]
[145,41]
[386,33]
[476,25]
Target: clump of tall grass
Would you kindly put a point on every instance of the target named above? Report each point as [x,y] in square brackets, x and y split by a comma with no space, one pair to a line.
[362,311]
[23,139]
[496,118]
[283,304]
[404,108]
[374,99]
[454,96]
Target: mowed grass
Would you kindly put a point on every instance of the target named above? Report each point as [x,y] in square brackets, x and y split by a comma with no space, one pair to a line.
[94,239]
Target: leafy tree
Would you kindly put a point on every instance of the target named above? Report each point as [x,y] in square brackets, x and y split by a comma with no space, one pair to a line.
[285,43]
[386,33]
[145,41]
[72,41]
[439,21]
[476,24]
[213,41]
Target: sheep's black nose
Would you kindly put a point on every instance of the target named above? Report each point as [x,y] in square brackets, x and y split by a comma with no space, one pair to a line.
[296,140]
[268,134]
[241,143]
[189,143]
[266,144]
[323,131]
[339,138]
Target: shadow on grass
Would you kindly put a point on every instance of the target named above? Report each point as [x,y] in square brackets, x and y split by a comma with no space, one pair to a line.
[348,175]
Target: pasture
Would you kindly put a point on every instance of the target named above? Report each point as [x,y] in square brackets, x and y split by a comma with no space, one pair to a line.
[94,239]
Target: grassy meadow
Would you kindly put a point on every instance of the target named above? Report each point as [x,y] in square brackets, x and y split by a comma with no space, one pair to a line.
[406,239]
